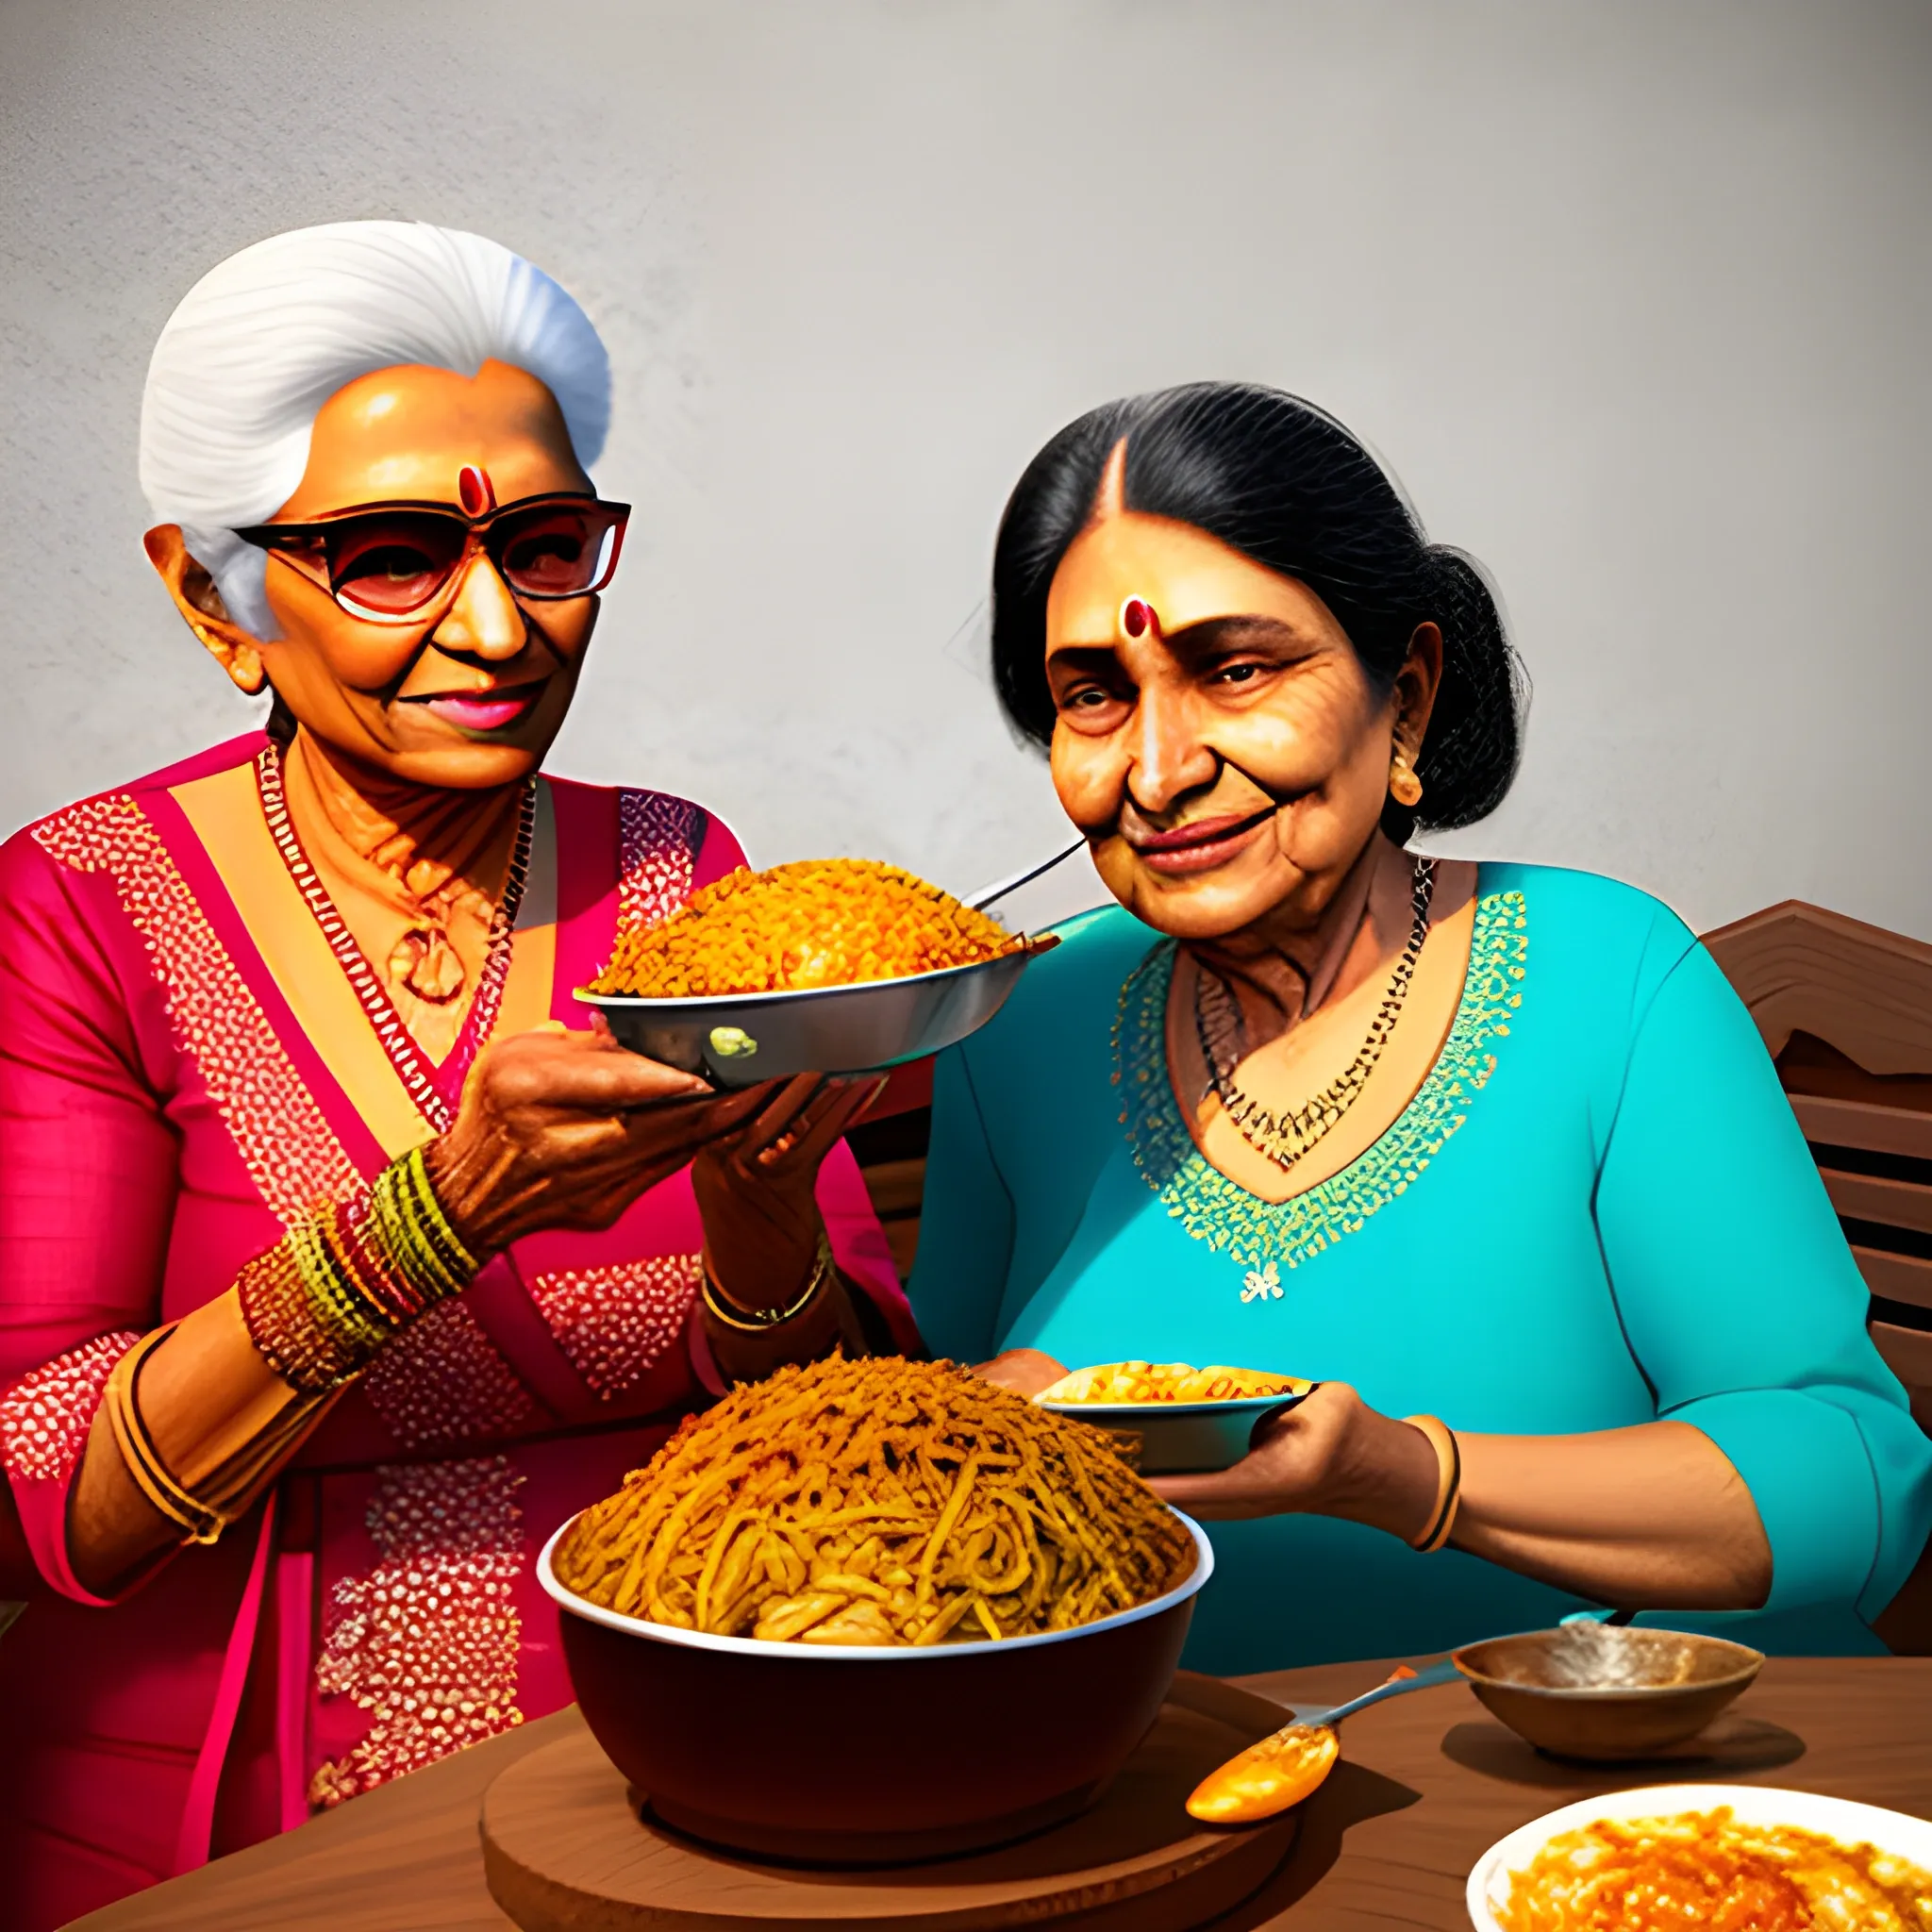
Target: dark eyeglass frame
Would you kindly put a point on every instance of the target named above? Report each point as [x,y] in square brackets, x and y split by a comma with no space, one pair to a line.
[295,543]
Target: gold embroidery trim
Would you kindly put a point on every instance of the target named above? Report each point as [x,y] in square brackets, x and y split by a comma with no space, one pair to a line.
[1267,1236]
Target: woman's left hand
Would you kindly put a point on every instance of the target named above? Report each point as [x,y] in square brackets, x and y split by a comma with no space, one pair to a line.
[757,1188]
[1331,1455]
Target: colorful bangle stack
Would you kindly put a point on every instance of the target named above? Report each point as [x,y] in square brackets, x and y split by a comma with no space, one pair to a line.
[413,1237]
[320,1306]
[755,1322]
[1448,1482]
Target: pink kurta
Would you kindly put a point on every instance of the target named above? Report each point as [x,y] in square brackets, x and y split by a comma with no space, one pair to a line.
[163,1117]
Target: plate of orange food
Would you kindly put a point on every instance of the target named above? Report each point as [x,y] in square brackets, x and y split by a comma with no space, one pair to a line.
[824,966]
[1179,1420]
[1747,1856]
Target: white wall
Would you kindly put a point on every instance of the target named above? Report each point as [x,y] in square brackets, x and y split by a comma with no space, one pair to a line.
[1634,297]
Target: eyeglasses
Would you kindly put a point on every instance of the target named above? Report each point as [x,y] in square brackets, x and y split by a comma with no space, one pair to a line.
[389,562]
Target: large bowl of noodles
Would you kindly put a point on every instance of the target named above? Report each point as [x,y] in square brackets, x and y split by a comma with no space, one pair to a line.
[875,1746]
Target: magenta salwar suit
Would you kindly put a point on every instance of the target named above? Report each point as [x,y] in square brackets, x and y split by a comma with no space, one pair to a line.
[180,1079]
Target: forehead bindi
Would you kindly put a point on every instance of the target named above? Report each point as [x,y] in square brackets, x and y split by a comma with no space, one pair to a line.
[407,433]
[1131,581]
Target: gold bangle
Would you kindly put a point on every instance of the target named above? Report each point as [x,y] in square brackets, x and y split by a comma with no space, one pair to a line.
[748,1323]
[1448,1482]
[203,1522]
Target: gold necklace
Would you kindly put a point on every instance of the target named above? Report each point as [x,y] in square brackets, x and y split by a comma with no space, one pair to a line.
[1284,1137]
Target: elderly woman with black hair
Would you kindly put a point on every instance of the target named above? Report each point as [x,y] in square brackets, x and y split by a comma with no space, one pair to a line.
[1492,1151]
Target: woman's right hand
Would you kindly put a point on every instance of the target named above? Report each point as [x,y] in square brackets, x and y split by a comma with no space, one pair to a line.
[1025,1371]
[566,1130]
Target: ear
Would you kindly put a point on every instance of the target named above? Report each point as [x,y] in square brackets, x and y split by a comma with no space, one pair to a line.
[1414,695]
[236,651]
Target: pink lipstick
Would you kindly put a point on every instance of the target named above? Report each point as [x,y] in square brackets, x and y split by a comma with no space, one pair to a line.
[484,711]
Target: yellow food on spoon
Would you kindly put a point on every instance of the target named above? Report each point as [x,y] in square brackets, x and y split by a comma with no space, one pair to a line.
[1268,1778]
[1169,1382]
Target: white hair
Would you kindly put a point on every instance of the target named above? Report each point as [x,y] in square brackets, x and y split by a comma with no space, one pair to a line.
[266,338]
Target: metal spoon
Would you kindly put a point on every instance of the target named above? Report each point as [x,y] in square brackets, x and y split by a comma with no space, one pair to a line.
[1287,1766]
[1226,1796]
[1399,1685]
[990,896]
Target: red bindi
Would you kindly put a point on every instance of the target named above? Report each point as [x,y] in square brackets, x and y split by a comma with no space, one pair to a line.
[475,492]
[1136,617]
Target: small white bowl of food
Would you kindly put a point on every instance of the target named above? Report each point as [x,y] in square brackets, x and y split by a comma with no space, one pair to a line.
[1175,1420]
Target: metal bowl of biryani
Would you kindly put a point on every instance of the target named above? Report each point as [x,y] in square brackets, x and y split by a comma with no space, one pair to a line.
[826,966]
[737,1039]
[1605,1695]
[1174,1420]
[862,1743]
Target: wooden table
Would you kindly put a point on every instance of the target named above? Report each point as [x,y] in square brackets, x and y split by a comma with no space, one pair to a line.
[1429,1782]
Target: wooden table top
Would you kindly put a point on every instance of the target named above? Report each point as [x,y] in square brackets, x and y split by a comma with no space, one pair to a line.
[1429,1782]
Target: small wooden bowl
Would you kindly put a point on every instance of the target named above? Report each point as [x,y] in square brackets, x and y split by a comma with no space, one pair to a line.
[839,1756]
[1603,1695]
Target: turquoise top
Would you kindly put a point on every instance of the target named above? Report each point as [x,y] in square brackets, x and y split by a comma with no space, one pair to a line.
[1597,1210]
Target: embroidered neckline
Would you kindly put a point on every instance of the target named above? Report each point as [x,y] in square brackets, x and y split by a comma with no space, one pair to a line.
[1265,1237]
[425,1081]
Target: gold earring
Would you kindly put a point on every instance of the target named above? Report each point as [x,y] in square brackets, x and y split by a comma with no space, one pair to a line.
[1404,785]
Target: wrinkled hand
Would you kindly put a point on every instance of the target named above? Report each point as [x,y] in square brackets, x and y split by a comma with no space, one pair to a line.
[758,1188]
[1331,1455]
[563,1129]
[1025,1371]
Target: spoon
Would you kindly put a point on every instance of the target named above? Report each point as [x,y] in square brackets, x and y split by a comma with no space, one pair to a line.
[988,895]
[1287,1765]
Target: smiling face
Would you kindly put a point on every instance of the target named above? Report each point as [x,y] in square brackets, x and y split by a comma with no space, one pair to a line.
[1217,738]
[471,693]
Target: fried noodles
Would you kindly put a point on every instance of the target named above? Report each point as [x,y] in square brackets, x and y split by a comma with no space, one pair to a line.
[822,921]
[877,1501]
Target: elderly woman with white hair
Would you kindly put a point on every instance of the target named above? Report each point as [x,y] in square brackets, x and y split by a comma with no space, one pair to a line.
[332,1243]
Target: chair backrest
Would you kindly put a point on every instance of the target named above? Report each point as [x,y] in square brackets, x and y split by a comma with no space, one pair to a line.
[1845,1010]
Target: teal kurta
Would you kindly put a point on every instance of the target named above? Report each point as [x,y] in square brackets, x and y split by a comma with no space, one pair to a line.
[1596,1210]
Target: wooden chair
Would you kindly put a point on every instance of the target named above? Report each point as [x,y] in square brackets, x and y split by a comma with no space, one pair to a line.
[1845,1010]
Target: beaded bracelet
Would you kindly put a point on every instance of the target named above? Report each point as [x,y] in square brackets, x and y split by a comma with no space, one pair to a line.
[320,1306]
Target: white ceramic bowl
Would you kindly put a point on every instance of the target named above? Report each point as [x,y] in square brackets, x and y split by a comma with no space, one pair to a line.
[1182,1437]
[1839,1818]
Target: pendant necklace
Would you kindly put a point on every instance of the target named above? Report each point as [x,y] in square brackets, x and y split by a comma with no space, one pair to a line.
[1284,1137]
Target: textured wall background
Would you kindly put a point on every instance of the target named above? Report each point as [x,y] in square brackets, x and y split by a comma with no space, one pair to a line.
[1635,300]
